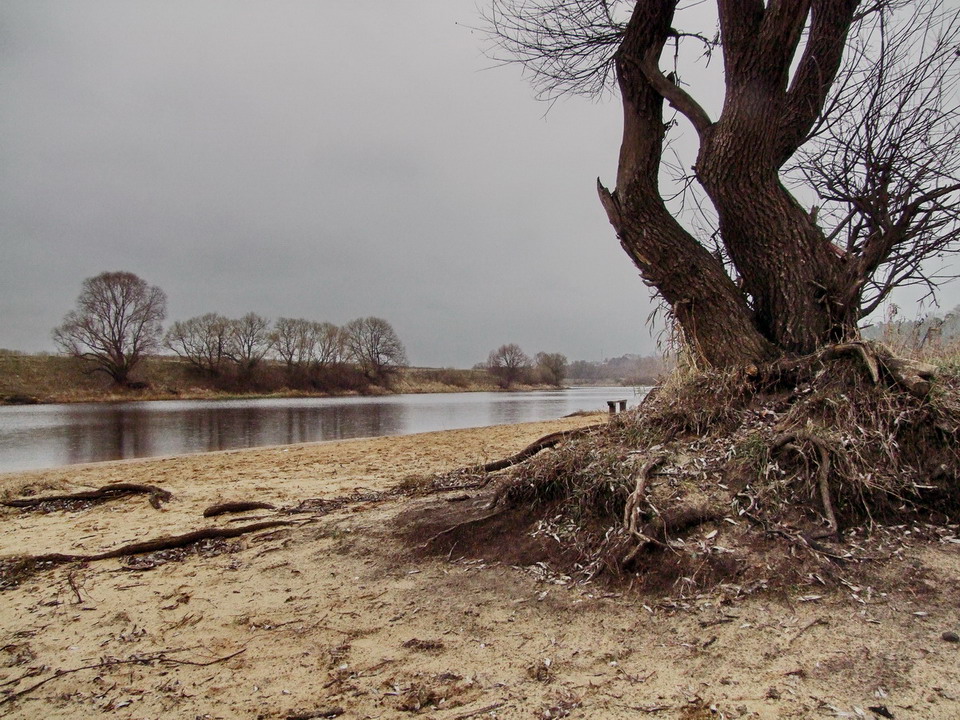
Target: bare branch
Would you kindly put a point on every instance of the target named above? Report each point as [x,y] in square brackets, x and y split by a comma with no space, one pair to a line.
[678,98]
[567,45]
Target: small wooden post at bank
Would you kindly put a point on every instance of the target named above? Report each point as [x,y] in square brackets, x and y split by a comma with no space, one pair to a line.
[612,405]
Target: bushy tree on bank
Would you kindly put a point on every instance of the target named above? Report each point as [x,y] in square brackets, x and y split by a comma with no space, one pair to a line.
[852,103]
[551,368]
[116,322]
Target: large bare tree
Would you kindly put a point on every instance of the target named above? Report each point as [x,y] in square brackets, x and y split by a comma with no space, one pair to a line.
[846,104]
[117,320]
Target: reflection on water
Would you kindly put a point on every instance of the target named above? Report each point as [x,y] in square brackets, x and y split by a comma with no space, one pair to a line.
[53,435]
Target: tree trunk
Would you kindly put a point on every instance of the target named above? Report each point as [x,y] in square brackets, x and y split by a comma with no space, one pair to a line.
[789,272]
[788,297]
[712,312]
[787,267]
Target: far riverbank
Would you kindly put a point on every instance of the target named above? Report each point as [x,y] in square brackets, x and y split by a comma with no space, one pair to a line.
[45,379]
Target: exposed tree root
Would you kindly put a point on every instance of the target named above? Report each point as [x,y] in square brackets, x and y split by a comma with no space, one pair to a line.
[544,443]
[850,435]
[107,492]
[913,376]
[235,507]
[788,441]
[631,510]
[859,349]
[166,542]
[465,523]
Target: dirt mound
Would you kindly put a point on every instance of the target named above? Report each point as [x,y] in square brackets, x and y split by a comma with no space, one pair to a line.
[808,471]
[470,530]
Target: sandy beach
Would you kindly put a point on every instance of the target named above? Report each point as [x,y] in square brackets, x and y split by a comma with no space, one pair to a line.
[340,614]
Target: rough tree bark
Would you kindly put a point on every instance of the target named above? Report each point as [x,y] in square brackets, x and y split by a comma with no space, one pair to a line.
[707,304]
[790,276]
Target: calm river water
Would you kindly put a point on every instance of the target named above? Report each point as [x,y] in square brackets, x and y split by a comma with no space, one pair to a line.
[43,436]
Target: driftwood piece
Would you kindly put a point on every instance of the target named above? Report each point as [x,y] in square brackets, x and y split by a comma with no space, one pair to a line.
[107,492]
[912,375]
[165,542]
[238,506]
[547,441]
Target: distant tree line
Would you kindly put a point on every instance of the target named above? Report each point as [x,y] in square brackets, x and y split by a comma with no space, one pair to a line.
[510,365]
[118,321]
[623,370]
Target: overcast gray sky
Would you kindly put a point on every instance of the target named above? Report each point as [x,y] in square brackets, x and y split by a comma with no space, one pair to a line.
[306,158]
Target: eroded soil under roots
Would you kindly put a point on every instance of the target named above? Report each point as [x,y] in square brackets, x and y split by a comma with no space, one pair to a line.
[816,472]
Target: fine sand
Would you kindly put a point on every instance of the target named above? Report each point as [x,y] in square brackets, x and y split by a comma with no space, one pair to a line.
[341,614]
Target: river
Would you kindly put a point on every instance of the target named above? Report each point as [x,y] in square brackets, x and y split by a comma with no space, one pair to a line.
[44,436]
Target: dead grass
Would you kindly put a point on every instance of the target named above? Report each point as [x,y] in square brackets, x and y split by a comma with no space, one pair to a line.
[53,378]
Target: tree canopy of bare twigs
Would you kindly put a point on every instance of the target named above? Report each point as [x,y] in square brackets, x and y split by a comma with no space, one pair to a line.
[847,106]
[116,321]
[248,341]
[304,344]
[201,341]
[884,158]
[375,347]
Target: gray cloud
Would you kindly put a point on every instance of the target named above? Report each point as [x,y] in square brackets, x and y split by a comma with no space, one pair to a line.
[305,158]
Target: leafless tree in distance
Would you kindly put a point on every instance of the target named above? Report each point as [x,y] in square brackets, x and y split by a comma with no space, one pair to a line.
[307,347]
[508,363]
[201,341]
[293,341]
[854,103]
[373,344]
[248,342]
[117,320]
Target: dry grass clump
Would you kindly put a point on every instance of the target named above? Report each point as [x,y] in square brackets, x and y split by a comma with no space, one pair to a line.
[749,459]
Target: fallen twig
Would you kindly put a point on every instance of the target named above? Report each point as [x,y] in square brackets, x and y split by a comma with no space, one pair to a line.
[801,631]
[329,712]
[72,580]
[479,711]
[160,656]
